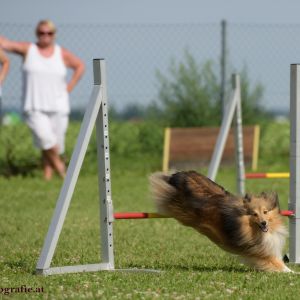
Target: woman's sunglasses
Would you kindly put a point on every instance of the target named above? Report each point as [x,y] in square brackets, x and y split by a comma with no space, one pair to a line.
[50,33]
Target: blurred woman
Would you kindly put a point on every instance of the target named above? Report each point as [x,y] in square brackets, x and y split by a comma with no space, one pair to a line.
[4,63]
[4,67]
[46,95]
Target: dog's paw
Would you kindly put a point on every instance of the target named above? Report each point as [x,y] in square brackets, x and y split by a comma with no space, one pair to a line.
[287,270]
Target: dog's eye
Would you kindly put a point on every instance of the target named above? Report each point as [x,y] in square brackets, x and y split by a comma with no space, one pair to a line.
[265,212]
[255,214]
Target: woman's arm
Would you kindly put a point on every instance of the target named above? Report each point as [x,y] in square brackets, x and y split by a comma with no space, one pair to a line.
[73,62]
[4,60]
[20,48]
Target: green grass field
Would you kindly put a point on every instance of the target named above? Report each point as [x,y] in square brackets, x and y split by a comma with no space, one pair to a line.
[192,267]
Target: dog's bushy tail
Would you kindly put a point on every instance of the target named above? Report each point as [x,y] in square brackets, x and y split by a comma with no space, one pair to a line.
[162,192]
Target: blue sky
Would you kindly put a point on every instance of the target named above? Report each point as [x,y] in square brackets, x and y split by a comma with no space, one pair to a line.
[146,11]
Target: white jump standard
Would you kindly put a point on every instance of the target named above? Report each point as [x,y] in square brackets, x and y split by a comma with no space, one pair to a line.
[294,202]
[232,108]
[96,113]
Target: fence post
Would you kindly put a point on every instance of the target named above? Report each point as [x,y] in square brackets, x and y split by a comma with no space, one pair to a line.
[223,66]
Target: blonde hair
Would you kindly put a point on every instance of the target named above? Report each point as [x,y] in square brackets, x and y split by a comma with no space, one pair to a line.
[49,23]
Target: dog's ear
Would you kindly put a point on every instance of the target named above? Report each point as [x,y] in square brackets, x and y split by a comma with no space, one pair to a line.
[264,195]
[247,198]
[273,200]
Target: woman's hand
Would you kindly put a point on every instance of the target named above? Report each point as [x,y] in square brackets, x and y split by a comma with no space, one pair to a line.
[73,62]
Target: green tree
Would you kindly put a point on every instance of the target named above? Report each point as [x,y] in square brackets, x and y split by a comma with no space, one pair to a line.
[190,95]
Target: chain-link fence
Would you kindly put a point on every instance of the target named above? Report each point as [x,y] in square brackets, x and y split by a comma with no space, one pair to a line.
[267,51]
[135,52]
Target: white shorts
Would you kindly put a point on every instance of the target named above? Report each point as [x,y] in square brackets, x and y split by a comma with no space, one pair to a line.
[48,129]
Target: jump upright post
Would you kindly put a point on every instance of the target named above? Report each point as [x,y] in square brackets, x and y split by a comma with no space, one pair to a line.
[96,113]
[294,201]
[233,107]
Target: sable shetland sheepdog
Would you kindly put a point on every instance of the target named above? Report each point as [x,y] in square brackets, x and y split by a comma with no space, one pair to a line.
[249,226]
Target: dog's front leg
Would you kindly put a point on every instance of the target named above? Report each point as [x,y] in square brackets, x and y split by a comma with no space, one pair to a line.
[279,265]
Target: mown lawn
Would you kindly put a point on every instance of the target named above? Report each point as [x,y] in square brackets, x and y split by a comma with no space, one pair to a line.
[192,267]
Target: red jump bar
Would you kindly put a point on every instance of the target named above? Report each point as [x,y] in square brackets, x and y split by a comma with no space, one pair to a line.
[255,175]
[287,213]
[137,215]
[143,215]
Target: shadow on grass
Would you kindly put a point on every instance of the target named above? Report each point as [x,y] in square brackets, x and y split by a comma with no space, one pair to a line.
[208,268]
[181,268]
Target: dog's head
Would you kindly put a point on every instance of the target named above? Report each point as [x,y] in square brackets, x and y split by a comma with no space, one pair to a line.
[262,209]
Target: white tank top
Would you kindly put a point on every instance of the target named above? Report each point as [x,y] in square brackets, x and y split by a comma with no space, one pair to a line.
[45,87]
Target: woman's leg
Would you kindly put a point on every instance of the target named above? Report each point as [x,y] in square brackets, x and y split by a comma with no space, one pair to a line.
[54,162]
[42,125]
[47,167]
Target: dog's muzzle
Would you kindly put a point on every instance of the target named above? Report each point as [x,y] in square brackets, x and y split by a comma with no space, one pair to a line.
[263,226]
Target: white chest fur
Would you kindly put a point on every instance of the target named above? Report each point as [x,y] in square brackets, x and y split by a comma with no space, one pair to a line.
[274,241]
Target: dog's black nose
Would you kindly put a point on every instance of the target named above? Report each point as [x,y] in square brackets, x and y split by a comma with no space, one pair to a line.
[263,223]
